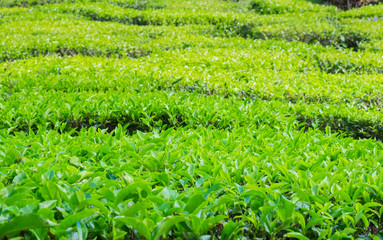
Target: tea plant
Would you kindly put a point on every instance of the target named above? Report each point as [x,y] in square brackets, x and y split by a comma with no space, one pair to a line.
[192,119]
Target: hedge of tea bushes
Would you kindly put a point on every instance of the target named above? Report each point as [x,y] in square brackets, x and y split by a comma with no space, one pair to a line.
[216,5]
[370,11]
[145,111]
[250,182]
[280,6]
[293,27]
[33,38]
[361,63]
[215,71]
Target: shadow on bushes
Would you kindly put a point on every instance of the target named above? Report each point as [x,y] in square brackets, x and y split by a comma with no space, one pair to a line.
[342,39]
[357,129]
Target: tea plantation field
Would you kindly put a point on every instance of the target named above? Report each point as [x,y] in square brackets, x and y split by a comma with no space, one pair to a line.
[190,119]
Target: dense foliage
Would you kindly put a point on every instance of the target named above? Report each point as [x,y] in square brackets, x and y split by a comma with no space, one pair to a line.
[192,119]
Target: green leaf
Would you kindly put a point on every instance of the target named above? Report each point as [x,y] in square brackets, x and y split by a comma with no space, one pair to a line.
[95,203]
[19,178]
[134,188]
[73,219]
[48,204]
[285,209]
[194,202]
[300,219]
[230,230]
[365,221]
[165,225]
[348,230]
[50,174]
[25,222]
[296,235]
[209,222]
[135,223]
